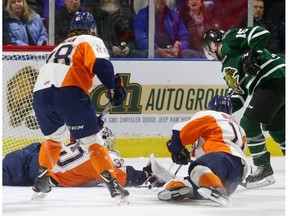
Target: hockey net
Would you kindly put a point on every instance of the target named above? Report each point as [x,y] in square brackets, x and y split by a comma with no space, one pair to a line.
[20,70]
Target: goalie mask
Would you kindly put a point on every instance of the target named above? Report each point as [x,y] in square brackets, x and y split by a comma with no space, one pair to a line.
[221,104]
[83,21]
[108,137]
[210,40]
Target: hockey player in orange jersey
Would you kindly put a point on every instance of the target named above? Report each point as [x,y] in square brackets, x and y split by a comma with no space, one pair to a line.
[61,103]
[74,168]
[220,164]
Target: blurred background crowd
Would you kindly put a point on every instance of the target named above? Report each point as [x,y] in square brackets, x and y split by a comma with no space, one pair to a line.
[123,25]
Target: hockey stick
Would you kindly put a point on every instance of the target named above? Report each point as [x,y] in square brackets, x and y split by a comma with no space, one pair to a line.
[189,160]
[237,87]
[107,108]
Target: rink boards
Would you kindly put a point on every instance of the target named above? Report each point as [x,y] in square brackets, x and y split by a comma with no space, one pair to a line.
[159,94]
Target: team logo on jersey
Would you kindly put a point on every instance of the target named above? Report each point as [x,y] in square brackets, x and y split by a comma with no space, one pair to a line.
[232,78]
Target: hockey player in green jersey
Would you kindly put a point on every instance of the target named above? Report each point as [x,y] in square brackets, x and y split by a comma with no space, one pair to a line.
[252,72]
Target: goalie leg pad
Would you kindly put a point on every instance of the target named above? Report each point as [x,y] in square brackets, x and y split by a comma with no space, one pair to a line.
[161,174]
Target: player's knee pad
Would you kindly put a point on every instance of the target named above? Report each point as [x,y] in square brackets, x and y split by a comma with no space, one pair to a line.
[60,135]
[251,128]
[86,142]
[197,172]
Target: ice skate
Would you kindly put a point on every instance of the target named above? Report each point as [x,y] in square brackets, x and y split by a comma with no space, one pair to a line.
[175,190]
[116,190]
[261,177]
[177,193]
[217,195]
[42,185]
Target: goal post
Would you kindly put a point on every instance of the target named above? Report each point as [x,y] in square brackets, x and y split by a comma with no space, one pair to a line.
[20,68]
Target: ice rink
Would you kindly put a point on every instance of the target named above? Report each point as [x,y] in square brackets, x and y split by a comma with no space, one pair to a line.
[268,201]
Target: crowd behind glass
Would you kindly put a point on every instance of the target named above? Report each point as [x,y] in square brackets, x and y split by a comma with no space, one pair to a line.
[123,25]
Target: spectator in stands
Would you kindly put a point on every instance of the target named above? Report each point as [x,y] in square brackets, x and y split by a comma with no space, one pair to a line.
[37,6]
[24,25]
[115,28]
[139,4]
[197,22]
[171,36]
[63,16]
[227,14]
[260,20]
[58,4]
[126,6]
[93,7]
[5,35]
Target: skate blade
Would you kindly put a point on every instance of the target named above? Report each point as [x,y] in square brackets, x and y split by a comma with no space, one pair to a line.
[269,180]
[122,200]
[179,194]
[38,196]
[207,194]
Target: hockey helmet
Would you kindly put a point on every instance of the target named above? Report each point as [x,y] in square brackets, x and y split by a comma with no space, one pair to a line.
[108,137]
[210,39]
[221,104]
[84,21]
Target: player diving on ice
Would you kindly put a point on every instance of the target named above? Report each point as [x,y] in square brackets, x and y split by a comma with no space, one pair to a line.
[74,167]
[220,163]
[62,103]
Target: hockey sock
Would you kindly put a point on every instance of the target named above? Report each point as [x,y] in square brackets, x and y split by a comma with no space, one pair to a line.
[202,176]
[49,153]
[279,137]
[210,180]
[255,141]
[101,159]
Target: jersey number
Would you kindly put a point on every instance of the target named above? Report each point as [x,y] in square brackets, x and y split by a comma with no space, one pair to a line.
[62,55]
[66,158]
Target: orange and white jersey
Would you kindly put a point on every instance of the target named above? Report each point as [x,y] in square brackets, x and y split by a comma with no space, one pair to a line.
[213,132]
[71,63]
[74,168]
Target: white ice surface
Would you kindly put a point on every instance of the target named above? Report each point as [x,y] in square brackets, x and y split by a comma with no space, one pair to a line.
[268,201]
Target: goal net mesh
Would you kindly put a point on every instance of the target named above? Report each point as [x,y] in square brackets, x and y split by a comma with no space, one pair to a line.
[19,124]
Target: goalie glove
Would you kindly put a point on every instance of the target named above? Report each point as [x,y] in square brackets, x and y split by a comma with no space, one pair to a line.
[117,96]
[181,158]
[250,63]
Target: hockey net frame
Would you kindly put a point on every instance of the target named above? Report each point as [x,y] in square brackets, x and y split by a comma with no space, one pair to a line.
[20,68]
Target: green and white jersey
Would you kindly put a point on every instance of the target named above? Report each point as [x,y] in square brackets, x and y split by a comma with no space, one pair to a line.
[234,44]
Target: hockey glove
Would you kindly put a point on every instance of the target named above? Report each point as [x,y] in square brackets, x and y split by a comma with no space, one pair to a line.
[118,95]
[181,158]
[250,63]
